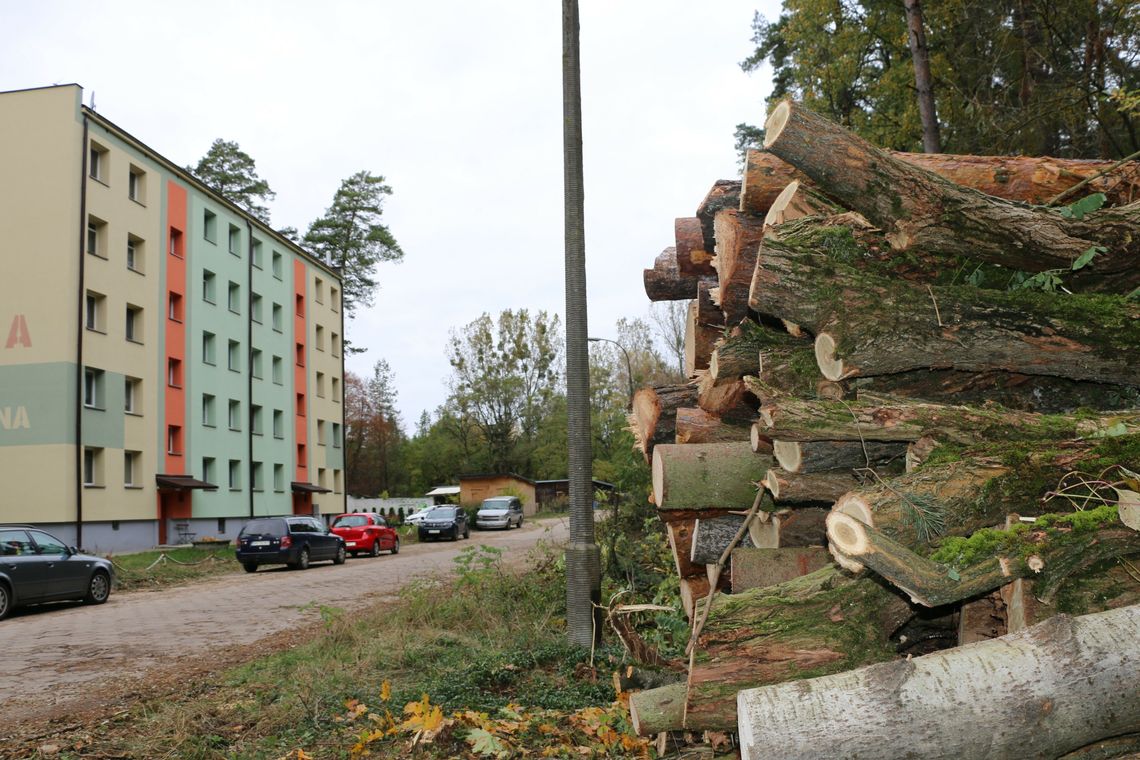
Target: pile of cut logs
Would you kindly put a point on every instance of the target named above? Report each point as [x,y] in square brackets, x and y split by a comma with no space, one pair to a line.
[912,428]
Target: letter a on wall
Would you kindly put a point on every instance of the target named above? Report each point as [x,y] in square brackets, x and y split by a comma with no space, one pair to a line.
[18,334]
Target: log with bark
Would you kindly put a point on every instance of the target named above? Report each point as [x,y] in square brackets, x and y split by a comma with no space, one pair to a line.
[796,201]
[809,487]
[867,324]
[738,237]
[818,456]
[655,710]
[725,193]
[731,400]
[699,341]
[712,537]
[665,282]
[1053,688]
[922,211]
[693,258]
[695,425]
[798,629]
[741,352]
[706,476]
[881,418]
[790,370]
[708,311]
[653,414]
[1034,180]
[988,559]
[761,568]
[681,535]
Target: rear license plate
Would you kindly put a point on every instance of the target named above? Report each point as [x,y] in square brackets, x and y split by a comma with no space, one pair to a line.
[259,543]
[433,531]
[350,543]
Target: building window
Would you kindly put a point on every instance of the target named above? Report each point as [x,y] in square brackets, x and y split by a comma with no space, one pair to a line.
[255,254]
[209,354]
[320,340]
[321,477]
[235,356]
[136,185]
[320,385]
[131,386]
[255,480]
[278,423]
[234,299]
[93,388]
[300,307]
[277,317]
[336,390]
[255,307]
[208,471]
[277,265]
[94,312]
[255,363]
[221,525]
[235,240]
[336,481]
[278,375]
[302,459]
[136,261]
[255,419]
[174,440]
[320,432]
[130,468]
[97,162]
[92,466]
[320,290]
[174,310]
[134,325]
[208,286]
[94,236]
[175,242]
[210,226]
[278,477]
[300,404]
[235,414]
[174,372]
[334,304]
[336,435]
[334,344]
[209,418]
[235,474]
[300,354]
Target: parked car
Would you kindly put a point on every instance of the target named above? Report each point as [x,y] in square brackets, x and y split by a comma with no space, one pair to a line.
[417,517]
[500,512]
[444,521]
[36,567]
[366,532]
[294,541]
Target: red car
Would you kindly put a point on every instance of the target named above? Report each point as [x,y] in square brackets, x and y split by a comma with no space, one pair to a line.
[366,532]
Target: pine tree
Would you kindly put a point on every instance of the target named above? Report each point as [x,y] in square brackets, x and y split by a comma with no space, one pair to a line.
[231,172]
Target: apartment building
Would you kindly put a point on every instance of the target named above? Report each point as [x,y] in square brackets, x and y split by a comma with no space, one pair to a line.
[171,366]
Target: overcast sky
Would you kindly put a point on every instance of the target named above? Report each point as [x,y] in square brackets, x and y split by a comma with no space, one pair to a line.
[458,105]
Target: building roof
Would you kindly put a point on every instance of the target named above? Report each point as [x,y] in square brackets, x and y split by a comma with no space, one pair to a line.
[182,482]
[309,488]
[485,476]
[443,491]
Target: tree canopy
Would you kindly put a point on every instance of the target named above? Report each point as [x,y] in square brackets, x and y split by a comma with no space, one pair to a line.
[1034,77]
[351,236]
[232,173]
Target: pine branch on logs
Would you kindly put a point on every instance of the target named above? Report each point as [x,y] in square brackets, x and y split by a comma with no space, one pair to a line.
[925,212]
[1053,688]
[1033,180]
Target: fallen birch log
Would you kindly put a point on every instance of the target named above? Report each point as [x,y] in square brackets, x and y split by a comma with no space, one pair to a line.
[1058,686]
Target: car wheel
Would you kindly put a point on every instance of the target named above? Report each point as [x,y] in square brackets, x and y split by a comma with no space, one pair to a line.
[341,555]
[302,562]
[466,532]
[5,601]
[396,547]
[455,533]
[375,552]
[520,521]
[250,567]
[98,588]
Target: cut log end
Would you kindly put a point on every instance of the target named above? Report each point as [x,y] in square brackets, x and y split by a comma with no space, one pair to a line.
[855,506]
[658,477]
[788,454]
[830,366]
[847,535]
[776,122]
[776,211]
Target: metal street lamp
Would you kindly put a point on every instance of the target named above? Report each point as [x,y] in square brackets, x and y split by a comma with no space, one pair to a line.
[628,366]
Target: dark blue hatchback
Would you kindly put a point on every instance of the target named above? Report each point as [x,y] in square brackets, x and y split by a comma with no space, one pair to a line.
[36,567]
[294,541]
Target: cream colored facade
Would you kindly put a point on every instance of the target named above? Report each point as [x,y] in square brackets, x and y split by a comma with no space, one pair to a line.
[98,303]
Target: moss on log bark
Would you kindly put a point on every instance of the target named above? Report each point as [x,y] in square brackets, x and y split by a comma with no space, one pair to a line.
[706,476]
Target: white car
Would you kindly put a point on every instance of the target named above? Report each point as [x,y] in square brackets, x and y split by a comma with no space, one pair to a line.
[500,512]
[417,517]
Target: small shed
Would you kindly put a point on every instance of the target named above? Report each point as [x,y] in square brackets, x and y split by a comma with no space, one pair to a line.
[474,488]
[443,494]
[555,494]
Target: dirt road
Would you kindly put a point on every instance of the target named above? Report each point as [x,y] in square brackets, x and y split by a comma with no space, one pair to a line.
[66,654]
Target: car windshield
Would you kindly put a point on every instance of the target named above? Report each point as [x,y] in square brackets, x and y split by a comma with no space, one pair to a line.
[497,504]
[263,527]
[440,513]
[350,521]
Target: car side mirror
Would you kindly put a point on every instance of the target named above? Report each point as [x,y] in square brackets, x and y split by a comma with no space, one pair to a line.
[72,550]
